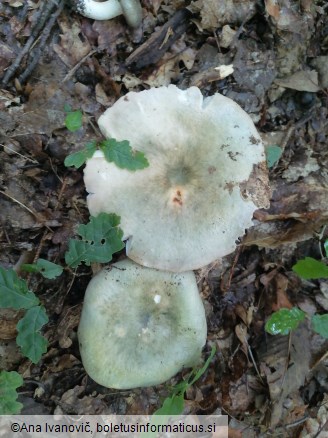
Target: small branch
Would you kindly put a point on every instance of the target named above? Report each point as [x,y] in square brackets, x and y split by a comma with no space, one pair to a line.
[43,39]
[78,65]
[41,17]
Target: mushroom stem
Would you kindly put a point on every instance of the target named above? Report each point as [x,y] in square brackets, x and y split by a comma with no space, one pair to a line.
[106,10]
[132,12]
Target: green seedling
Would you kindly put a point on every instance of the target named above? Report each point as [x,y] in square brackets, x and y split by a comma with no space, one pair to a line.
[174,404]
[310,269]
[31,342]
[46,269]
[273,154]
[79,158]
[320,324]
[100,239]
[117,152]
[284,321]
[14,293]
[9,382]
[73,120]
[121,153]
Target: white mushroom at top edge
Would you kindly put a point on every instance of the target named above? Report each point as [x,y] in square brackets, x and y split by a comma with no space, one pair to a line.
[140,326]
[207,175]
[131,9]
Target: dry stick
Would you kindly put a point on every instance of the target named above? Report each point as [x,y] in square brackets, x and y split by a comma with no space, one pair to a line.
[37,254]
[41,18]
[44,36]
[253,360]
[234,263]
[33,213]
[78,65]
[17,153]
[11,70]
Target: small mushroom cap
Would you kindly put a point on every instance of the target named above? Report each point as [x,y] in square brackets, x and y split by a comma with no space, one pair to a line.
[207,175]
[131,9]
[99,10]
[140,326]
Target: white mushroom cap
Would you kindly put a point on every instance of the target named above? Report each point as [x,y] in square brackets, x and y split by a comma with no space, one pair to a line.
[207,175]
[140,326]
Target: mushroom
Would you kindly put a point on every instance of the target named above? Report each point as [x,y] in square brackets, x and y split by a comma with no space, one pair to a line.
[140,326]
[131,9]
[207,175]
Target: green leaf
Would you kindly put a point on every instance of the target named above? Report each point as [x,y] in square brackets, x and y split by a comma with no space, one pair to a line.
[73,120]
[9,382]
[121,153]
[273,154]
[79,158]
[173,405]
[32,268]
[101,238]
[67,108]
[201,371]
[14,291]
[320,324]
[45,268]
[310,268]
[32,343]
[284,320]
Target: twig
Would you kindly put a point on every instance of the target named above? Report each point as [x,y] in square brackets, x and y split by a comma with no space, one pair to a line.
[253,360]
[21,155]
[43,39]
[234,263]
[33,213]
[20,203]
[77,66]
[41,17]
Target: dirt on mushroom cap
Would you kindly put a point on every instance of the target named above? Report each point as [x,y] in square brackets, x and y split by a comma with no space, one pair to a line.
[190,205]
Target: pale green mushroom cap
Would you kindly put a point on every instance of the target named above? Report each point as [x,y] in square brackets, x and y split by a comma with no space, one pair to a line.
[207,175]
[140,326]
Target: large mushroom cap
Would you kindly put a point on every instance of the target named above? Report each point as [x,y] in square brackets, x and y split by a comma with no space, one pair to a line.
[207,176]
[140,326]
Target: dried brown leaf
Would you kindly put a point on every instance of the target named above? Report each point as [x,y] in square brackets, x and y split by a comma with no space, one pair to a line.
[216,13]
[285,366]
[281,286]
[71,48]
[304,80]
